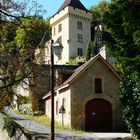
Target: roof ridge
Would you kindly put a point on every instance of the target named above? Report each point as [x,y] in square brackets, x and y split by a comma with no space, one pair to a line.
[82,68]
[85,65]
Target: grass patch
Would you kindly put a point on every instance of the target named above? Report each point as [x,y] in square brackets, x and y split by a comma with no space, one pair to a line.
[44,120]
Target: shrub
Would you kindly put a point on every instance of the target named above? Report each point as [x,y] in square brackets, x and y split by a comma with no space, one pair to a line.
[76,61]
[9,126]
[129,97]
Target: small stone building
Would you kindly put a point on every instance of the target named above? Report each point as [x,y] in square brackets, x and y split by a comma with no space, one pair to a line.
[89,97]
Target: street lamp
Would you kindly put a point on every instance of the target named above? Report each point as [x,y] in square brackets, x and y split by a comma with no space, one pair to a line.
[0,10]
[57,49]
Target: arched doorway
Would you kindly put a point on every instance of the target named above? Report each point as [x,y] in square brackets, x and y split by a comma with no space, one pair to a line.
[98,116]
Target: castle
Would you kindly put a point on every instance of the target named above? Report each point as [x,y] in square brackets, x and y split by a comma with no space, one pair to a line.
[71,27]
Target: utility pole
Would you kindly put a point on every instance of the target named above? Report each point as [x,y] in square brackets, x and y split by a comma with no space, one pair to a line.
[57,49]
[52,91]
[0,12]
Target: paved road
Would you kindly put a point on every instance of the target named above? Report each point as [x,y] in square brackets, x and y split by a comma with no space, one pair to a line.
[39,129]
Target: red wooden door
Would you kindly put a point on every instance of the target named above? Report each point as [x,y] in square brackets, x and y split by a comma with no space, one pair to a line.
[98,116]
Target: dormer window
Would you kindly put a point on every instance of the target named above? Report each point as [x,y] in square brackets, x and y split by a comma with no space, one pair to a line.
[59,27]
[79,25]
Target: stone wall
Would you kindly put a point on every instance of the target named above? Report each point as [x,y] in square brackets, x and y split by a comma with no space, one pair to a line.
[41,82]
[18,136]
[81,95]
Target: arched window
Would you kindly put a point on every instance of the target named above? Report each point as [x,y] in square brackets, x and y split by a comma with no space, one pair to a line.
[56,107]
[63,102]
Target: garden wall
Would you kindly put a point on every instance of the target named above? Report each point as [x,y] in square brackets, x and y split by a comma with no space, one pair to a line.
[18,136]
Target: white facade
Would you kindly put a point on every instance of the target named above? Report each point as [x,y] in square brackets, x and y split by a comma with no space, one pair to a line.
[61,98]
[71,27]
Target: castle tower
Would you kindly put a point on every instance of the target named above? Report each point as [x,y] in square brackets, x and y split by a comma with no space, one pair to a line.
[71,27]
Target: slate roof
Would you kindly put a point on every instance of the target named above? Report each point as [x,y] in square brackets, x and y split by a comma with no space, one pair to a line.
[73,3]
[83,68]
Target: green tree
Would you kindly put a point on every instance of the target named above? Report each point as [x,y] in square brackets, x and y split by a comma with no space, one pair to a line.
[129,96]
[16,64]
[125,30]
[95,46]
[30,33]
[98,13]
[88,51]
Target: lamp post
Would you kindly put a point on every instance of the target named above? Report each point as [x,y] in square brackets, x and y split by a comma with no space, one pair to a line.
[57,49]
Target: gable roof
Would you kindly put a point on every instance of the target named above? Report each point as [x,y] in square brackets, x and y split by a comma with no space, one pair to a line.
[83,68]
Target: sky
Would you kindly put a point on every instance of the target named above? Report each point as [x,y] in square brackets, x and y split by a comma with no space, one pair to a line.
[53,5]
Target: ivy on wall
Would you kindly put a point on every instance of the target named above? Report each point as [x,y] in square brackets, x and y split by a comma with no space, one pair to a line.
[12,127]
[9,126]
